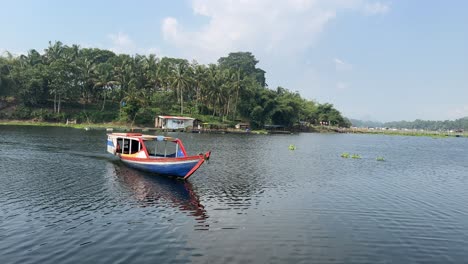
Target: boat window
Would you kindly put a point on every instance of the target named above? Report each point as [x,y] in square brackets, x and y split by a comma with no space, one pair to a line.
[120,143]
[163,149]
[134,146]
[126,146]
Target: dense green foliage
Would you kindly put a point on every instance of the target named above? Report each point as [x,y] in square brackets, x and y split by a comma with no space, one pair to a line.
[365,123]
[458,124]
[97,85]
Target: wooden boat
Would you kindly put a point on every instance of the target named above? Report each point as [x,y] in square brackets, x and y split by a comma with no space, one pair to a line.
[157,154]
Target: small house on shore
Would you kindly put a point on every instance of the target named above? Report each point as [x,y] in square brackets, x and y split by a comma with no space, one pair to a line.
[173,122]
[242,126]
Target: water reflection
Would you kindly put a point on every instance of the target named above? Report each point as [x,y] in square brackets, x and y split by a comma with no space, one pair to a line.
[151,190]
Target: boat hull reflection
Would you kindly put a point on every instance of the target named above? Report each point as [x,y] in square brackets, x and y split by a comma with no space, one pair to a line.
[154,191]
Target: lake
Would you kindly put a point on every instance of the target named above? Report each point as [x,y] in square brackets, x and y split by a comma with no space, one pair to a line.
[65,200]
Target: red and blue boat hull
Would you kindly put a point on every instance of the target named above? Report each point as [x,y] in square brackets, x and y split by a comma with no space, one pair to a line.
[179,167]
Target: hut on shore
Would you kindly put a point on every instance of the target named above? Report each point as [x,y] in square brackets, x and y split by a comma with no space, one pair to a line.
[173,122]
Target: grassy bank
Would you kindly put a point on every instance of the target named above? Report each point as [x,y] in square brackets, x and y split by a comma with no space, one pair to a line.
[56,124]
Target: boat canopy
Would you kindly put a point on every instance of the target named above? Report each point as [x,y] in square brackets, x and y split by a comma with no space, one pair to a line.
[144,137]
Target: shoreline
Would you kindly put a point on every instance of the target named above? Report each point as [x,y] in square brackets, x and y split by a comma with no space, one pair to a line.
[327,130]
[122,128]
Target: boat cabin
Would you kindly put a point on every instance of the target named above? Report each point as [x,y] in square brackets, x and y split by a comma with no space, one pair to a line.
[144,146]
[128,146]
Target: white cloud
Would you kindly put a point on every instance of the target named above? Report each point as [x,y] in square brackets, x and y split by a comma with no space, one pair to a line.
[376,8]
[282,27]
[259,26]
[121,43]
[341,65]
[170,28]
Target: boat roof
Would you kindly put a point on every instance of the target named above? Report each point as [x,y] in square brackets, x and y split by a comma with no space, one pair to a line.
[142,136]
[176,117]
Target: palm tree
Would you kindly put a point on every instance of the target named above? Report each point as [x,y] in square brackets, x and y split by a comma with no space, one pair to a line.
[180,80]
[138,80]
[150,67]
[199,75]
[87,69]
[105,80]
[123,73]
[34,57]
[54,52]
[134,101]
[236,82]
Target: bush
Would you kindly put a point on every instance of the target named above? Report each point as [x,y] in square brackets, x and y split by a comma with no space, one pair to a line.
[59,117]
[22,112]
[101,117]
[145,116]
[3,115]
[42,115]
[82,117]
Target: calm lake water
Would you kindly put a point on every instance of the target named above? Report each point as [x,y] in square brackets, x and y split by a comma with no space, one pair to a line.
[64,200]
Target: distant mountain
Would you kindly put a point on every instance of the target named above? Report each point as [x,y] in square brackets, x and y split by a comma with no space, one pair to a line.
[367,123]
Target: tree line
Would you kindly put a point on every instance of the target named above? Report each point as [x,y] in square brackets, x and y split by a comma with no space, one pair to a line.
[457,124]
[97,85]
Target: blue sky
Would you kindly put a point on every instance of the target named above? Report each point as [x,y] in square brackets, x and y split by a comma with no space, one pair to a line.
[373,59]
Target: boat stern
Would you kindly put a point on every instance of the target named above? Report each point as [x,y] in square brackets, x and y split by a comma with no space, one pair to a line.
[111,143]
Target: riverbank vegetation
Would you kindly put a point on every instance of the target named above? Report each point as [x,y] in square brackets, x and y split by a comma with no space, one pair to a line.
[418,124]
[93,85]
[446,125]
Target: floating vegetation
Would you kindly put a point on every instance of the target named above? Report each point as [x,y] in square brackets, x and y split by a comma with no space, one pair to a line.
[292,147]
[345,155]
[380,159]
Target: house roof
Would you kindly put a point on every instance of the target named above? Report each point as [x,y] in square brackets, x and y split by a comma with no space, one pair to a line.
[176,117]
